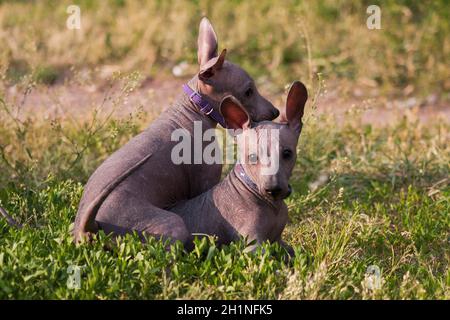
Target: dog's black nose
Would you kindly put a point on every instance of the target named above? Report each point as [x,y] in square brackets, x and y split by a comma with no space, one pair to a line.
[274,191]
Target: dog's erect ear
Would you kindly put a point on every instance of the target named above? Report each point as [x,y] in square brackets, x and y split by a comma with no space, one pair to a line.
[295,105]
[207,42]
[209,68]
[234,114]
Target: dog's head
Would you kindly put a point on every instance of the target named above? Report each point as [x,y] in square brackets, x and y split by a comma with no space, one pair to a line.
[219,78]
[267,150]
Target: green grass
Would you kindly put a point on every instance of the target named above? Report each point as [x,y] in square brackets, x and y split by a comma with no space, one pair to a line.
[384,201]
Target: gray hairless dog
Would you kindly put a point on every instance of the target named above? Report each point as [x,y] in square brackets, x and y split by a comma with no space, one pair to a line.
[134,187]
[248,203]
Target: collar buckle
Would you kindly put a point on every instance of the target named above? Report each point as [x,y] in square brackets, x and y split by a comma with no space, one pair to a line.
[203,106]
[209,112]
[191,96]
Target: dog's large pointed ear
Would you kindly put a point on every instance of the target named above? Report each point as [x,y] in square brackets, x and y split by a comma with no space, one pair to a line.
[234,114]
[207,56]
[207,42]
[295,105]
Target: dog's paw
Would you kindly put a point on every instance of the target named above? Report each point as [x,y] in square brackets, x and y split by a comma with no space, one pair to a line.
[84,237]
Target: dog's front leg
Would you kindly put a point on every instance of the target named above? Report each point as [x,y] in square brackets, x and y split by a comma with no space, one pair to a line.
[286,247]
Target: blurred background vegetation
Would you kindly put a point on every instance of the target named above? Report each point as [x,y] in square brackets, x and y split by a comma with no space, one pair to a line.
[282,42]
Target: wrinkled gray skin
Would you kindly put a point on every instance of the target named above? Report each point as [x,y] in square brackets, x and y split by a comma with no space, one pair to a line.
[232,209]
[134,187]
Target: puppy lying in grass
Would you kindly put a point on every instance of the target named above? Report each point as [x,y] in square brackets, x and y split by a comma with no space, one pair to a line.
[249,203]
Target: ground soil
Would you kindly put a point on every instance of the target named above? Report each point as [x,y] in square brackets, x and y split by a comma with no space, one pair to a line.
[70,99]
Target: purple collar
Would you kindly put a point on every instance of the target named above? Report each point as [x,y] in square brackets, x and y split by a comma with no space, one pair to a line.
[245,178]
[203,105]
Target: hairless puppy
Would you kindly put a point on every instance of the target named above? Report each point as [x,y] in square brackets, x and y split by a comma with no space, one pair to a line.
[134,187]
[249,203]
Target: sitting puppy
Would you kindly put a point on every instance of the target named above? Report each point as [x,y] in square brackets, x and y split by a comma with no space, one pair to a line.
[248,202]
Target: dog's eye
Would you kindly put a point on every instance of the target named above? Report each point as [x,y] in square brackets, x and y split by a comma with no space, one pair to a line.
[287,154]
[253,158]
[249,92]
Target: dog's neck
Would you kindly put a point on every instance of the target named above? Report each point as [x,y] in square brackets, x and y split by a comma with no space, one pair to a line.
[236,187]
[183,112]
[194,84]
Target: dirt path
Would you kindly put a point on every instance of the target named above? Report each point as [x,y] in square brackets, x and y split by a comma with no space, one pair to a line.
[153,96]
